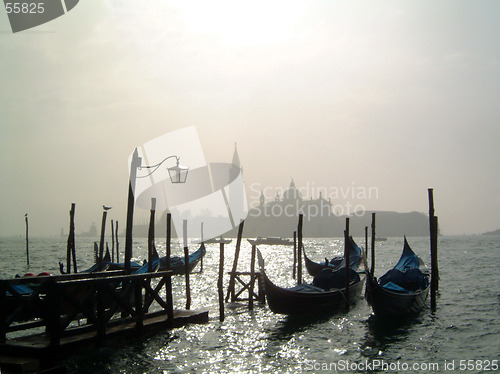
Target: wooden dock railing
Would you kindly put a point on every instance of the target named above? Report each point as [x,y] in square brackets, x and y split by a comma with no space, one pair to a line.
[83,303]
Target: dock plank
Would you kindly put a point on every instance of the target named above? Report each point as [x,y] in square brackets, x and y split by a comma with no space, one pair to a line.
[38,345]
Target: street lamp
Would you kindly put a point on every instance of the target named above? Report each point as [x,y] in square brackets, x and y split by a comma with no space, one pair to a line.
[177,173]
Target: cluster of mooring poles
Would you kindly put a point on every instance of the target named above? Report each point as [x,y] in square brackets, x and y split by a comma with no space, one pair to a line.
[235,276]
[297,261]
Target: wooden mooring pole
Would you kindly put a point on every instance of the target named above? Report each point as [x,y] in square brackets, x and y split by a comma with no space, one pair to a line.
[117,244]
[70,249]
[220,282]
[186,265]
[372,267]
[27,241]
[151,234]
[170,301]
[252,277]
[433,225]
[136,162]
[169,239]
[294,273]
[299,250]
[202,241]
[101,243]
[232,278]
[113,241]
[366,244]
[347,257]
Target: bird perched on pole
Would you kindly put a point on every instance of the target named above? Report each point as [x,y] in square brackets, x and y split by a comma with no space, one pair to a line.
[106,207]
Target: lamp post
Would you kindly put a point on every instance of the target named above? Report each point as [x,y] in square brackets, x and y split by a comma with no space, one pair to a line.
[177,173]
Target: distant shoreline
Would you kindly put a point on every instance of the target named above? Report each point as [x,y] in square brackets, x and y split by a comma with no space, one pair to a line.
[496,232]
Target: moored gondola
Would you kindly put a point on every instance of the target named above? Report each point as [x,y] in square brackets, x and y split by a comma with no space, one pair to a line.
[177,264]
[105,265]
[314,268]
[220,240]
[402,291]
[327,293]
[271,241]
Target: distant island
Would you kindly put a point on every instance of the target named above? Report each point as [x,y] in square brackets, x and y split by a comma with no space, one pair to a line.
[279,217]
[496,232]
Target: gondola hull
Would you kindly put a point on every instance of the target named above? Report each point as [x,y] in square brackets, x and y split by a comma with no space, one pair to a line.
[177,264]
[314,268]
[179,269]
[307,299]
[389,304]
[291,302]
[402,291]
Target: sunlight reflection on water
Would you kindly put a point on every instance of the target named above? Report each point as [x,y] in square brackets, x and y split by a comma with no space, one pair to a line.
[466,325]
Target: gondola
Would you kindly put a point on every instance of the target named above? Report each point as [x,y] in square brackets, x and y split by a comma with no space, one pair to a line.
[402,291]
[155,264]
[177,264]
[270,241]
[106,265]
[135,268]
[220,240]
[313,268]
[316,298]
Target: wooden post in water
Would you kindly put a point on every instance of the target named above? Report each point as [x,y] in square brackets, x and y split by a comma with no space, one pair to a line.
[96,253]
[232,277]
[68,243]
[117,244]
[73,248]
[436,266]
[101,243]
[170,301]
[186,265]
[220,282]
[347,257]
[366,246]
[113,241]
[252,277]
[294,255]
[27,241]
[151,234]
[136,162]
[299,250]
[169,239]
[372,267]
[202,241]
[70,252]
[434,250]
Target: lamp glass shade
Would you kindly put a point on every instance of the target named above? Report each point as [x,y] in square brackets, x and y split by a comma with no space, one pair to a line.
[178,173]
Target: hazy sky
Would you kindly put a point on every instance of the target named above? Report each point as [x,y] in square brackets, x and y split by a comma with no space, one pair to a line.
[393,95]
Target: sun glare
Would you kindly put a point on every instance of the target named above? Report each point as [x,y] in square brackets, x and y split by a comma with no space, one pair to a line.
[245,23]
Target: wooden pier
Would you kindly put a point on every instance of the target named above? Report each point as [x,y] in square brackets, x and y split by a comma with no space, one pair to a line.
[247,286]
[66,314]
